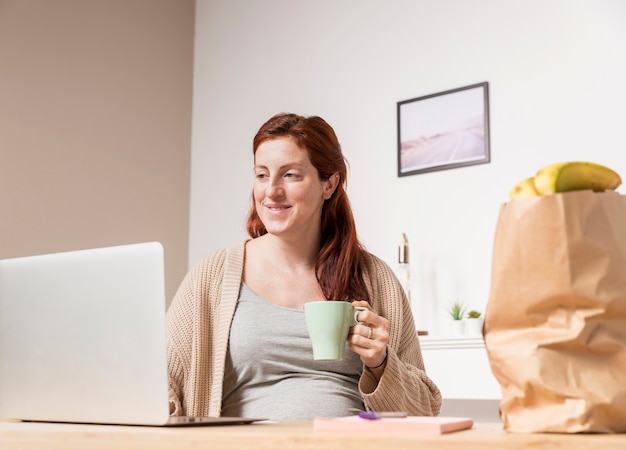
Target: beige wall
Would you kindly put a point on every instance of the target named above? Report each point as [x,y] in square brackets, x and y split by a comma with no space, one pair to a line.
[95,126]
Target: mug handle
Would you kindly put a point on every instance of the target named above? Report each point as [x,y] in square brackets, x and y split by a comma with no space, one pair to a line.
[357,310]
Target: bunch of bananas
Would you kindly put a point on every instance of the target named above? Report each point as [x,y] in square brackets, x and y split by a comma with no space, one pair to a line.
[567,176]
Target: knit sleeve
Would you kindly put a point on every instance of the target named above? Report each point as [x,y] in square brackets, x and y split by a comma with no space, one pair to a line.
[179,316]
[188,344]
[404,385]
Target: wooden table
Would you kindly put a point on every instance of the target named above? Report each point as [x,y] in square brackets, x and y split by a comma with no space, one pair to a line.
[281,435]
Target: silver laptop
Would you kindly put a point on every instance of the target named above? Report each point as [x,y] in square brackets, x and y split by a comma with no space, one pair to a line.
[83,338]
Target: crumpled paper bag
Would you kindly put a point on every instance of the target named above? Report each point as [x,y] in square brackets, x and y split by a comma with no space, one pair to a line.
[555,322]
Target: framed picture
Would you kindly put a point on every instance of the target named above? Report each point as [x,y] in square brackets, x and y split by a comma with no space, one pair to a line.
[444,130]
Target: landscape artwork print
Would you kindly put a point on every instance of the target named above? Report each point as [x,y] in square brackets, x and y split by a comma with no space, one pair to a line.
[444,130]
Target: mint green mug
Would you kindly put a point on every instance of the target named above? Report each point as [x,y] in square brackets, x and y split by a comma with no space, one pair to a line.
[328,323]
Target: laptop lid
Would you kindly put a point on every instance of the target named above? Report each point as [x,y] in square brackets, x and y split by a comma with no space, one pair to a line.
[82,336]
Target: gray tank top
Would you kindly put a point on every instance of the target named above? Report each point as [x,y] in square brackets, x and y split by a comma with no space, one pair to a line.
[270,370]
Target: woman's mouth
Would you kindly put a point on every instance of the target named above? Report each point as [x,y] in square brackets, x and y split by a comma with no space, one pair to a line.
[276,207]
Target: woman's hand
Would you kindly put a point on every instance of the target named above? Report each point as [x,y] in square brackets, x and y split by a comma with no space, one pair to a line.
[369,339]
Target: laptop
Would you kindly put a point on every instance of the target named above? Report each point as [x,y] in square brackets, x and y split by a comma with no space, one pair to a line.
[83,338]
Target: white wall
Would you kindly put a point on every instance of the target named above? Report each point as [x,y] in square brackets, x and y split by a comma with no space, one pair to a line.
[556,70]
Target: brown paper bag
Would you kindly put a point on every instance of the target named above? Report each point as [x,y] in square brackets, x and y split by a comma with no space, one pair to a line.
[555,322]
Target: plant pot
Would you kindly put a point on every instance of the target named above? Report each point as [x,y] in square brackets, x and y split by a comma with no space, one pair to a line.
[457,327]
[474,326]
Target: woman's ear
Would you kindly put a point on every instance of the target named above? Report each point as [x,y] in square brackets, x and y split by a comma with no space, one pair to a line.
[331,185]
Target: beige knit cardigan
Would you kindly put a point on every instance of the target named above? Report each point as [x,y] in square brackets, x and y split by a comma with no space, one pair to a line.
[198,325]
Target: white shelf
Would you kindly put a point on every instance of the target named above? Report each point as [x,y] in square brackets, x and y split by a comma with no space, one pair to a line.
[451,342]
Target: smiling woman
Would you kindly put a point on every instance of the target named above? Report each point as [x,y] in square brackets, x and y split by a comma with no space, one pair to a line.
[246,302]
[288,191]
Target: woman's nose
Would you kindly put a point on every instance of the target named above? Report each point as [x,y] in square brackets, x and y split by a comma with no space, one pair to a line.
[274,188]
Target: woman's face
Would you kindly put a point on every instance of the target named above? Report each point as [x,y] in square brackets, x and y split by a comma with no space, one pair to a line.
[288,193]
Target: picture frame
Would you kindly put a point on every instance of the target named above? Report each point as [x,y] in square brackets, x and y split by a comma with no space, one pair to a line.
[445,130]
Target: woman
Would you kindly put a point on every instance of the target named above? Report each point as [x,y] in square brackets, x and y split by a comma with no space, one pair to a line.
[237,339]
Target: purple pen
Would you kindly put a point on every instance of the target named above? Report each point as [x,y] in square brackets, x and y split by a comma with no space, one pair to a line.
[371,415]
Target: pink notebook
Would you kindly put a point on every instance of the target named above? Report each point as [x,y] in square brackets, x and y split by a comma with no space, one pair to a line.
[412,425]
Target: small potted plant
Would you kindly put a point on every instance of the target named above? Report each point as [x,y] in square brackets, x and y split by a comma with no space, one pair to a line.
[457,313]
[474,323]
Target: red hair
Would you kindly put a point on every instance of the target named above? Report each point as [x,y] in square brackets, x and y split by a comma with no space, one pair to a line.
[337,268]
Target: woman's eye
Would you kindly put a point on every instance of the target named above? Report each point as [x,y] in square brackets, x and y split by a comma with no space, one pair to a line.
[261,176]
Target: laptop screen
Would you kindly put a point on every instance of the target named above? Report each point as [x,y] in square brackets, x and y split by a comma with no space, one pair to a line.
[82,336]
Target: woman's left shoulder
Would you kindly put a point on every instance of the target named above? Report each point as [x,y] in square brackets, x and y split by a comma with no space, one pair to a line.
[374,263]
[382,283]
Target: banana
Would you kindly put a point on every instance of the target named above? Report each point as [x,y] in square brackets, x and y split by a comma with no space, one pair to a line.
[524,188]
[574,176]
